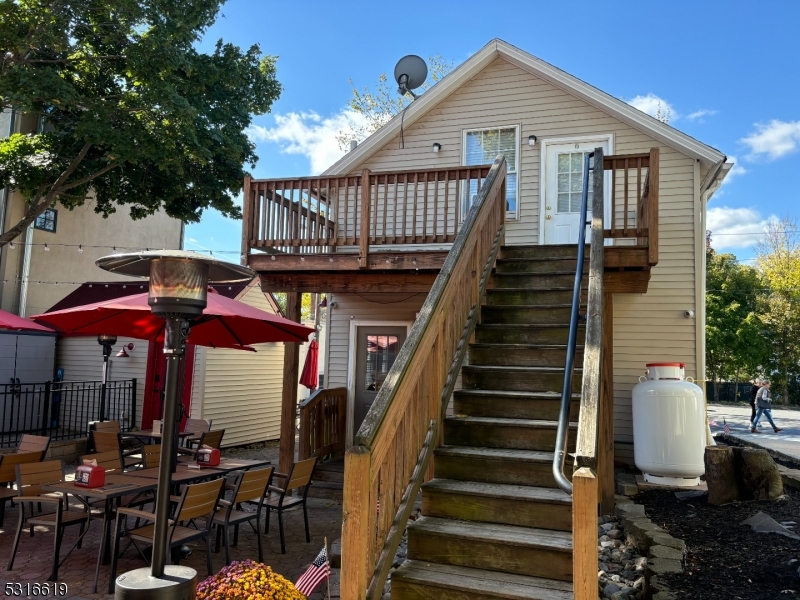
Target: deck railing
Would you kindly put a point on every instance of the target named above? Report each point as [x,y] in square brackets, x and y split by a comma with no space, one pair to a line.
[392,450]
[634,199]
[320,214]
[322,423]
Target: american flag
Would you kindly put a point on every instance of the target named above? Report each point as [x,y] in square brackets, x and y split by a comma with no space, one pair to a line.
[726,428]
[316,573]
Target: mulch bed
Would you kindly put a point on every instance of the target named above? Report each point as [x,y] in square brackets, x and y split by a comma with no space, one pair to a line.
[725,560]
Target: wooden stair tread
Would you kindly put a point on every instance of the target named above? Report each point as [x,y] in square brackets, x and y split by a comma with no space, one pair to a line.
[474,581]
[496,490]
[511,369]
[514,535]
[532,423]
[515,394]
[578,347]
[529,325]
[507,454]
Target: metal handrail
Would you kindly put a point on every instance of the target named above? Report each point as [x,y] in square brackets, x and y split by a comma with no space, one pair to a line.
[560,455]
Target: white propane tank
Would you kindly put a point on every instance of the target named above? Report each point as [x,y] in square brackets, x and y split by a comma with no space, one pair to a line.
[669,426]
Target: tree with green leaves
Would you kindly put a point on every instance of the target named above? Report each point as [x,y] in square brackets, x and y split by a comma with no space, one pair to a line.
[131,112]
[735,344]
[379,106]
[778,260]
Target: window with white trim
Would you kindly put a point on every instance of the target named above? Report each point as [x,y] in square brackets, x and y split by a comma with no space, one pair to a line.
[482,146]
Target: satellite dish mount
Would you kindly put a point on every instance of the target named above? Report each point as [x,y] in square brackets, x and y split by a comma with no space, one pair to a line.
[410,73]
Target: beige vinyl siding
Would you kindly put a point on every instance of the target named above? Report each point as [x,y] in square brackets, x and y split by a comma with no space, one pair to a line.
[82,360]
[401,308]
[646,328]
[239,390]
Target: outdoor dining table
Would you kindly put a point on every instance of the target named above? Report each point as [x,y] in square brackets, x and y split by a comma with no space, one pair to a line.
[116,486]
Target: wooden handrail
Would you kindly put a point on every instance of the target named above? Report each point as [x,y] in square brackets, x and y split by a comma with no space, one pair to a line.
[319,214]
[392,450]
[322,423]
[584,480]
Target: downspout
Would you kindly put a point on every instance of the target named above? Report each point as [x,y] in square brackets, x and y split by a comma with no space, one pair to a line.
[26,271]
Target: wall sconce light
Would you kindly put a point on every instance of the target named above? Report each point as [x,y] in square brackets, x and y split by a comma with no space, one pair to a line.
[436,147]
[531,140]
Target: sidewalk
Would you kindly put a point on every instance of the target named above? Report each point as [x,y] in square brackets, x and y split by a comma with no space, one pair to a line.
[785,443]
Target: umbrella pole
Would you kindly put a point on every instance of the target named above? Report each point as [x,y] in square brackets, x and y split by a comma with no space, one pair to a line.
[173,348]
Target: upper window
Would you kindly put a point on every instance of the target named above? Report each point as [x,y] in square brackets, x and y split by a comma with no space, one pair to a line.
[47,220]
[482,146]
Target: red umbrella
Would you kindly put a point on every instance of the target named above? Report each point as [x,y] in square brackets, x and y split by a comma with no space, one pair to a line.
[309,378]
[15,323]
[225,323]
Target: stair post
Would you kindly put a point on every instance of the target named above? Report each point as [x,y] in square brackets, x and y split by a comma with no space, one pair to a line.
[584,534]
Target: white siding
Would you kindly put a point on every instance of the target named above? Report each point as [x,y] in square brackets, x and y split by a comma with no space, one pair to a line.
[241,391]
[82,360]
[646,328]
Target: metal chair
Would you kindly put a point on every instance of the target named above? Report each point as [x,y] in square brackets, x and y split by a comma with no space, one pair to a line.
[109,441]
[197,427]
[280,498]
[212,439]
[8,474]
[198,500]
[251,486]
[151,455]
[33,443]
[30,479]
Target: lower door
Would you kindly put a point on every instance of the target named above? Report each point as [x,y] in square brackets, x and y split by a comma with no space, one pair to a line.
[376,351]
[564,172]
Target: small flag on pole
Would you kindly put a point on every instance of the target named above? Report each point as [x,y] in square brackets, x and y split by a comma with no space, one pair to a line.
[726,428]
[318,571]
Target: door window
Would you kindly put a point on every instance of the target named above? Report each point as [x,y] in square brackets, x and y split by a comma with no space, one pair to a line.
[570,182]
[381,354]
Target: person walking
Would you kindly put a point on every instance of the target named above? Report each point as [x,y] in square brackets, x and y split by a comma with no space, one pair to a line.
[753,392]
[764,404]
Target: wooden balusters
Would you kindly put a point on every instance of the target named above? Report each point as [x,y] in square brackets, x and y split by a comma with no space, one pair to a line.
[322,423]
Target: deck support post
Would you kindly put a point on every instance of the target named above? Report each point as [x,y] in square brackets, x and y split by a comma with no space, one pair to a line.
[584,534]
[605,449]
[291,373]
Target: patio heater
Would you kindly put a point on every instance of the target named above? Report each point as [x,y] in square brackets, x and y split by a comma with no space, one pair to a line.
[178,290]
[106,341]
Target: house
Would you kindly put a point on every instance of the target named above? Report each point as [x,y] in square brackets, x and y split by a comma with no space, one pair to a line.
[388,232]
[222,385]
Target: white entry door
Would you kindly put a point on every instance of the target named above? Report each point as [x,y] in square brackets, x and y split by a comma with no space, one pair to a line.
[561,202]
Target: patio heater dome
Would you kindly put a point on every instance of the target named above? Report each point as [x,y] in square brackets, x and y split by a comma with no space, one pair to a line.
[178,279]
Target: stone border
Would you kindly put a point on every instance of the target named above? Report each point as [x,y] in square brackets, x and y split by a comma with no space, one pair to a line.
[664,552]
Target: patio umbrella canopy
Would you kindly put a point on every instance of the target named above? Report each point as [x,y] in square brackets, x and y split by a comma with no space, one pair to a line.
[225,323]
[15,323]
[310,377]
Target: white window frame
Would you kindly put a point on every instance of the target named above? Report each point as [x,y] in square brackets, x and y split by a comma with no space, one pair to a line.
[510,214]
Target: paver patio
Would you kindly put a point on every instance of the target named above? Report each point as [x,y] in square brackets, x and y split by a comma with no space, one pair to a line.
[34,556]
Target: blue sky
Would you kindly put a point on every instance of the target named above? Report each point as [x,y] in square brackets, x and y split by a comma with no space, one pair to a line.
[728,71]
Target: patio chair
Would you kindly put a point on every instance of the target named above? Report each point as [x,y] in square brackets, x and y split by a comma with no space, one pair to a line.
[30,479]
[280,498]
[151,455]
[109,441]
[8,475]
[212,439]
[251,486]
[198,500]
[33,443]
[197,427]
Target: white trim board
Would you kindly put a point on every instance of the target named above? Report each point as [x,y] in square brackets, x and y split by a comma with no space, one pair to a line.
[498,48]
[351,367]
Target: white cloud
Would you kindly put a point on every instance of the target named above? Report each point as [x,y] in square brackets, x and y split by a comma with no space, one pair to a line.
[309,134]
[650,104]
[735,227]
[773,139]
[699,114]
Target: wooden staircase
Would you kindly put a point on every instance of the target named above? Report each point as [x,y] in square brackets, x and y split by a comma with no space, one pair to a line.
[494,523]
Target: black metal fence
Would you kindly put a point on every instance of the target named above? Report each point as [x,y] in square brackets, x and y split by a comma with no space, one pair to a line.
[729,391]
[62,410]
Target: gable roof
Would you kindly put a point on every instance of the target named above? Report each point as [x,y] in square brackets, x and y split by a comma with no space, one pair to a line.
[498,48]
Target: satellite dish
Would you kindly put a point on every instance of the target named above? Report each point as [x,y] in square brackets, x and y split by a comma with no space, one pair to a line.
[410,73]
